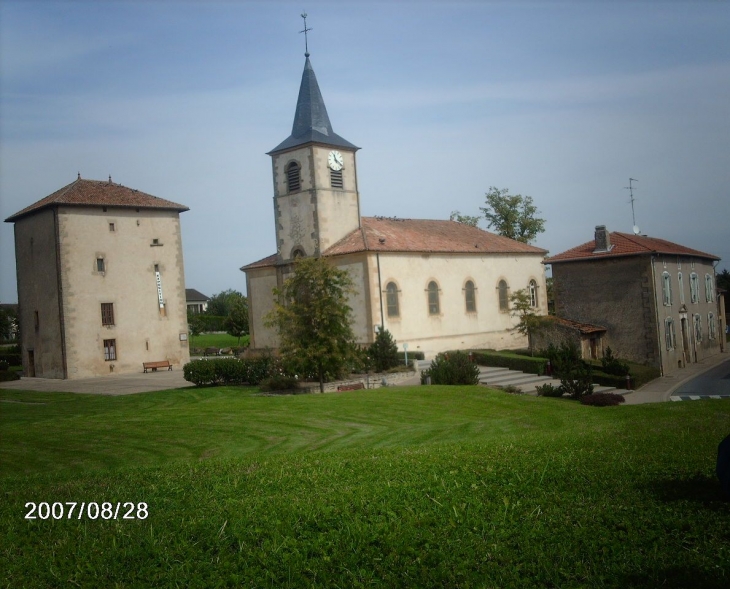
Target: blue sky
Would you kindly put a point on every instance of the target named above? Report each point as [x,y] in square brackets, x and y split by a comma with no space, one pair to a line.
[562,101]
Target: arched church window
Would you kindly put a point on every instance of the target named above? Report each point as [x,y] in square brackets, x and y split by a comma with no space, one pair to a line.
[391,298]
[433,298]
[503,295]
[293,177]
[470,297]
[533,293]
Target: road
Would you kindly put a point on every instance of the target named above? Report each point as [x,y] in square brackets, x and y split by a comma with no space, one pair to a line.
[714,382]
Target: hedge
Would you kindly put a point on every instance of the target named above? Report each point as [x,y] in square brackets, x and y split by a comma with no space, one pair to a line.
[411,356]
[640,375]
[529,364]
[12,358]
[230,371]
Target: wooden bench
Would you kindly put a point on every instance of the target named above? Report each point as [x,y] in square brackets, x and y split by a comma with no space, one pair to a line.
[155,365]
[356,386]
[212,352]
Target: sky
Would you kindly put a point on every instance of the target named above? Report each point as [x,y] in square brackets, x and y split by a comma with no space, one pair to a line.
[561,101]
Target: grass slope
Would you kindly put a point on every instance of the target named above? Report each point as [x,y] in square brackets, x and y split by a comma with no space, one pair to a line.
[404,487]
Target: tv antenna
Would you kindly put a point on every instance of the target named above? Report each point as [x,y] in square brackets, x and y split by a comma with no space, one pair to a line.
[630,188]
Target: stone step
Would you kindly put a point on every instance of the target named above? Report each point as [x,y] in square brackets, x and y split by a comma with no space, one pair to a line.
[514,378]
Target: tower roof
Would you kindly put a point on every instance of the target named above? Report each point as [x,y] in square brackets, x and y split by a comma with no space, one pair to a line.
[311,122]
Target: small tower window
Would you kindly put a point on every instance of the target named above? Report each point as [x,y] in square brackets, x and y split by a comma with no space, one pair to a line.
[293,177]
[100,265]
[533,293]
[391,297]
[336,179]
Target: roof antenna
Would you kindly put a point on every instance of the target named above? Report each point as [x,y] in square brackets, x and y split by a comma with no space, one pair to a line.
[630,188]
[110,178]
[78,175]
[305,31]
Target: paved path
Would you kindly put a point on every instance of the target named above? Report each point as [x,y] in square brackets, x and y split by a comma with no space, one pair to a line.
[714,384]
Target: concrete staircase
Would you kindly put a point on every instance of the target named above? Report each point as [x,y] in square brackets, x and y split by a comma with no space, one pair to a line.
[527,383]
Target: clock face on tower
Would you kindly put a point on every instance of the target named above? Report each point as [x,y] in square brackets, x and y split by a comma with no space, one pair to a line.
[335,161]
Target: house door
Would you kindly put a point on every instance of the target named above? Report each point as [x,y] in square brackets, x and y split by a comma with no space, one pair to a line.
[594,348]
[685,341]
[31,363]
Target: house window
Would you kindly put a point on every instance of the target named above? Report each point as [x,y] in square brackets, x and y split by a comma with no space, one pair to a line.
[709,289]
[100,264]
[533,293]
[680,282]
[293,178]
[667,288]
[669,335]
[503,296]
[155,242]
[110,349]
[112,227]
[698,327]
[336,179]
[391,299]
[107,313]
[36,319]
[711,326]
[470,297]
[433,298]
[694,288]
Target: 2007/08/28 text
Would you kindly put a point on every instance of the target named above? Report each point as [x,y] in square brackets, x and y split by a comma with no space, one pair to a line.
[92,510]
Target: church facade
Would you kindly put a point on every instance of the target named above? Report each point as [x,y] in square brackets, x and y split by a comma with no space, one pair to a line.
[435,285]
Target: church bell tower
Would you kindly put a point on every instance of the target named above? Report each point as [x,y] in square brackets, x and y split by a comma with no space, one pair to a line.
[316,201]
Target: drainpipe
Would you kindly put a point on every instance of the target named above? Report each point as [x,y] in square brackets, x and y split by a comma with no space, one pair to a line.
[656,315]
[380,292]
[61,318]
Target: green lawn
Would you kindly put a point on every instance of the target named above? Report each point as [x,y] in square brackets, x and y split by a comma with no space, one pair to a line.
[216,340]
[402,487]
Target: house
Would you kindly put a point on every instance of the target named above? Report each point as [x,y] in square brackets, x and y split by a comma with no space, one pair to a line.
[556,330]
[435,285]
[656,299]
[100,281]
[196,301]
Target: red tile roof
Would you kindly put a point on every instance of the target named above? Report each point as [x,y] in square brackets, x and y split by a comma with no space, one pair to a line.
[626,244]
[98,193]
[582,327]
[381,234]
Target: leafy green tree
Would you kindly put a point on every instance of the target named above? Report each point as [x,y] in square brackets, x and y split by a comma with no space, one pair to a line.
[237,321]
[529,321]
[195,324]
[512,215]
[723,281]
[8,323]
[221,304]
[313,319]
[464,219]
[383,352]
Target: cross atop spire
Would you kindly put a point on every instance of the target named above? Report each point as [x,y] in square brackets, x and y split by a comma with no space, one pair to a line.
[305,31]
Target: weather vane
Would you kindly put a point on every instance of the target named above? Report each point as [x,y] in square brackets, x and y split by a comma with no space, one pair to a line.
[305,31]
[630,188]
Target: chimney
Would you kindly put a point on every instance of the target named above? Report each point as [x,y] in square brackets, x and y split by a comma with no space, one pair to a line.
[603,240]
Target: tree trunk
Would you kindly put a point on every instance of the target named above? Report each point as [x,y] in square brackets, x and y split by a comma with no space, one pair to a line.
[321,380]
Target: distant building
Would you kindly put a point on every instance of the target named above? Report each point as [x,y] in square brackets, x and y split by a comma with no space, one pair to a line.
[101,286]
[434,284]
[656,299]
[196,301]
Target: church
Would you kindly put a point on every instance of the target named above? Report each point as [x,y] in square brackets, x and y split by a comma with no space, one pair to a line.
[435,285]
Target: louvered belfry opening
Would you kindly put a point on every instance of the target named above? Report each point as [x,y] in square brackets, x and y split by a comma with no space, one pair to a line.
[336,179]
[293,178]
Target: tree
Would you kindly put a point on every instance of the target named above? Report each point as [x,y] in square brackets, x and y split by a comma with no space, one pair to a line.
[221,304]
[464,219]
[512,215]
[384,351]
[8,323]
[723,281]
[237,321]
[529,321]
[313,319]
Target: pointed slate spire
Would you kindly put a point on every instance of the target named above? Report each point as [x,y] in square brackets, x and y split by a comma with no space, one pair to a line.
[311,121]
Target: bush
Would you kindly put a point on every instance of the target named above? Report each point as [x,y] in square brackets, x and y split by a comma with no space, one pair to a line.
[231,371]
[4,365]
[279,382]
[411,356]
[12,358]
[602,399]
[612,365]
[451,368]
[8,375]
[531,365]
[576,376]
[549,390]
[383,353]
[512,389]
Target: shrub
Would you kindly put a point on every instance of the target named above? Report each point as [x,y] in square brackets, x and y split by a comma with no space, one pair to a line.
[531,365]
[411,356]
[12,357]
[279,382]
[383,352]
[576,376]
[612,365]
[4,365]
[451,368]
[512,389]
[602,399]
[549,390]
[229,371]
[8,375]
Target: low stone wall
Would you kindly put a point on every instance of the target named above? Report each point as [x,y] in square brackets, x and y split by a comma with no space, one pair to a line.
[372,381]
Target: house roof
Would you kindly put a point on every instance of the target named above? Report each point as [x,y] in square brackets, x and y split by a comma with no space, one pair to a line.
[195,295]
[381,234]
[311,121]
[98,193]
[625,244]
[585,328]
